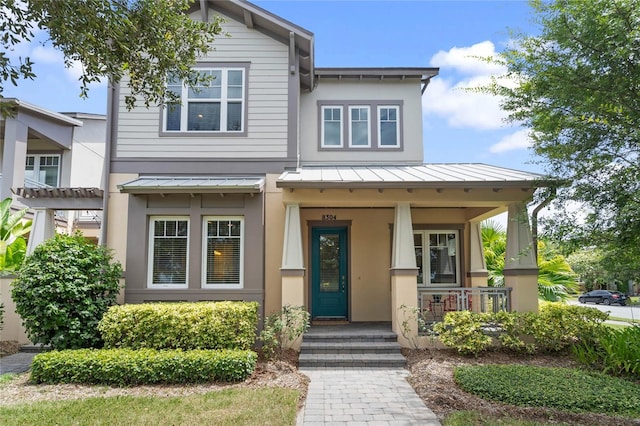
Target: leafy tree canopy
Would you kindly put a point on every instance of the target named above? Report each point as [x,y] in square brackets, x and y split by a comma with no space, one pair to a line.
[577,87]
[143,40]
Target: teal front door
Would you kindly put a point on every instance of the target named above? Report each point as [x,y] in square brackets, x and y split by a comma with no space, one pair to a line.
[329,286]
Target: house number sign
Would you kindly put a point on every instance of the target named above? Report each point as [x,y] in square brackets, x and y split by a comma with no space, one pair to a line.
[326,217]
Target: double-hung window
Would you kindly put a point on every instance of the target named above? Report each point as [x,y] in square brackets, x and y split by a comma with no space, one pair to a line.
[437,257]
[359,132]
[331,126]
[42,171]
[214,105]
[360,125]
[223,247]
[168,252]
[388,127]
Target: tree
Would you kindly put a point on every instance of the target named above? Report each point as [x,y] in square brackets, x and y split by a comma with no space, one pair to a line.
[63,289]
[577,87]
[144,40]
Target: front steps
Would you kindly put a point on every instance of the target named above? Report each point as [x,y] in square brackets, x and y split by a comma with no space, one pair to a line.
[353,345]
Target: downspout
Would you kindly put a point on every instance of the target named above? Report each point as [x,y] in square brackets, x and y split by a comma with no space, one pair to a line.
[534,219]
[107,162]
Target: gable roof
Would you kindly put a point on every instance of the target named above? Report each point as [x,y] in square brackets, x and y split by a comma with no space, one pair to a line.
[300,40]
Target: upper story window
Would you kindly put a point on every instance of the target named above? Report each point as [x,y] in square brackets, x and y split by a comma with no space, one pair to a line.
[42,171]
[388,128]
[332,126]
[359,128]
[217,105]
[373,125]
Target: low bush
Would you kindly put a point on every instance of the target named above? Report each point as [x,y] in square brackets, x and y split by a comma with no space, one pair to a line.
[554,329]
[560,388]
[127,367]
[282,329]
[201,325]
[615,351]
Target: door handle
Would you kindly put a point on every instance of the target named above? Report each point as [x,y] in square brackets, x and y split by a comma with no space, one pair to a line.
[342,282]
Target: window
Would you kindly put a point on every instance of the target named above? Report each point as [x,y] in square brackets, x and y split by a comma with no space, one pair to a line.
[437,257]
[388,128]
[359,126]
[332,126]
[42,171]
[168,252]
[216,105]
[223,252]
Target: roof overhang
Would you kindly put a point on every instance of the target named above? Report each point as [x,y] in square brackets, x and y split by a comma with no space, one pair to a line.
[299,39]
[193,185]
[434,176]
[423,74]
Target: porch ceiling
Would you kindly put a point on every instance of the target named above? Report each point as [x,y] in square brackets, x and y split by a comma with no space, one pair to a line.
[428,176]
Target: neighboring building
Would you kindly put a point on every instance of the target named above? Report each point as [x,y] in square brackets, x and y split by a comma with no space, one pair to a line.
[286,183]
[53,164]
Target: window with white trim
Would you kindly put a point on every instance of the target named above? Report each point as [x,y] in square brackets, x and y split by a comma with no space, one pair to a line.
[388,126]
[331,126]
[216,105]
[168,252]
[437,257]
[359,134]
[223,252]
[42,171]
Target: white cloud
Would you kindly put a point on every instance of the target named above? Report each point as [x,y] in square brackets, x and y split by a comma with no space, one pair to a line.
[47,55]
[449,96]
[514,141]
[469,60]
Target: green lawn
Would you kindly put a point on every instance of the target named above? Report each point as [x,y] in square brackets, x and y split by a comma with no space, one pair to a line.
[266,406]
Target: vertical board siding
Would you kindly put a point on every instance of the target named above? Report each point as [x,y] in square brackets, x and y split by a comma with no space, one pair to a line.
[267,106]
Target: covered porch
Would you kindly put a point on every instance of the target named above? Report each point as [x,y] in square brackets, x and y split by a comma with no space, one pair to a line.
[369,244]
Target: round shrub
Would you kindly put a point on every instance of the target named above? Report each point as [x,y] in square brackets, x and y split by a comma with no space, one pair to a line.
[63,289]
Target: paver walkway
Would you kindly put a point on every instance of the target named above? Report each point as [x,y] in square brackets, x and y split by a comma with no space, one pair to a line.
[343,396]
[16,363]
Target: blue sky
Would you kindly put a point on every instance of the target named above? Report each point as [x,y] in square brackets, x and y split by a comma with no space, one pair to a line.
[458,126]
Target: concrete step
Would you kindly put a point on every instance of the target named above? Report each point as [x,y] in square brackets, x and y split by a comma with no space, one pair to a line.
[348,347]
[338,337]
[395,360]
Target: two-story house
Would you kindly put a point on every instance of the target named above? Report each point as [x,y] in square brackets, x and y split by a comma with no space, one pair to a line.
[51,163]
[286,183]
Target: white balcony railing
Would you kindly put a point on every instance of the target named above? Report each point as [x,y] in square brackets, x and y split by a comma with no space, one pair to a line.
[434,303]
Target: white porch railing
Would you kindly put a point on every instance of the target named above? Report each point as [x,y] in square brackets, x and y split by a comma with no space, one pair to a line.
[434,303]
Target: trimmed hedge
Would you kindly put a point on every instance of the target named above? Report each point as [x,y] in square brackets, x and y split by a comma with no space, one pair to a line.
[554,329]
[200,325]
[126,367]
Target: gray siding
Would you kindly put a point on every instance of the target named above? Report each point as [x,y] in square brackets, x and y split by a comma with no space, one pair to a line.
[195,207]
[267,106]
[355,92]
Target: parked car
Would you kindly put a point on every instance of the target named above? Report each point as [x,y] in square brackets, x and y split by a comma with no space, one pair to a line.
[603,296]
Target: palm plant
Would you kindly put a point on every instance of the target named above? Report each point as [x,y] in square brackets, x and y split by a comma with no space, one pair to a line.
[13,244]
[556,279]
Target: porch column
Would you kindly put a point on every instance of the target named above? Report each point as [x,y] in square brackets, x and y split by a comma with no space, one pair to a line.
[478,274]
[13,156]
[521,268]
[292,269]
[404,282]
[43,227]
